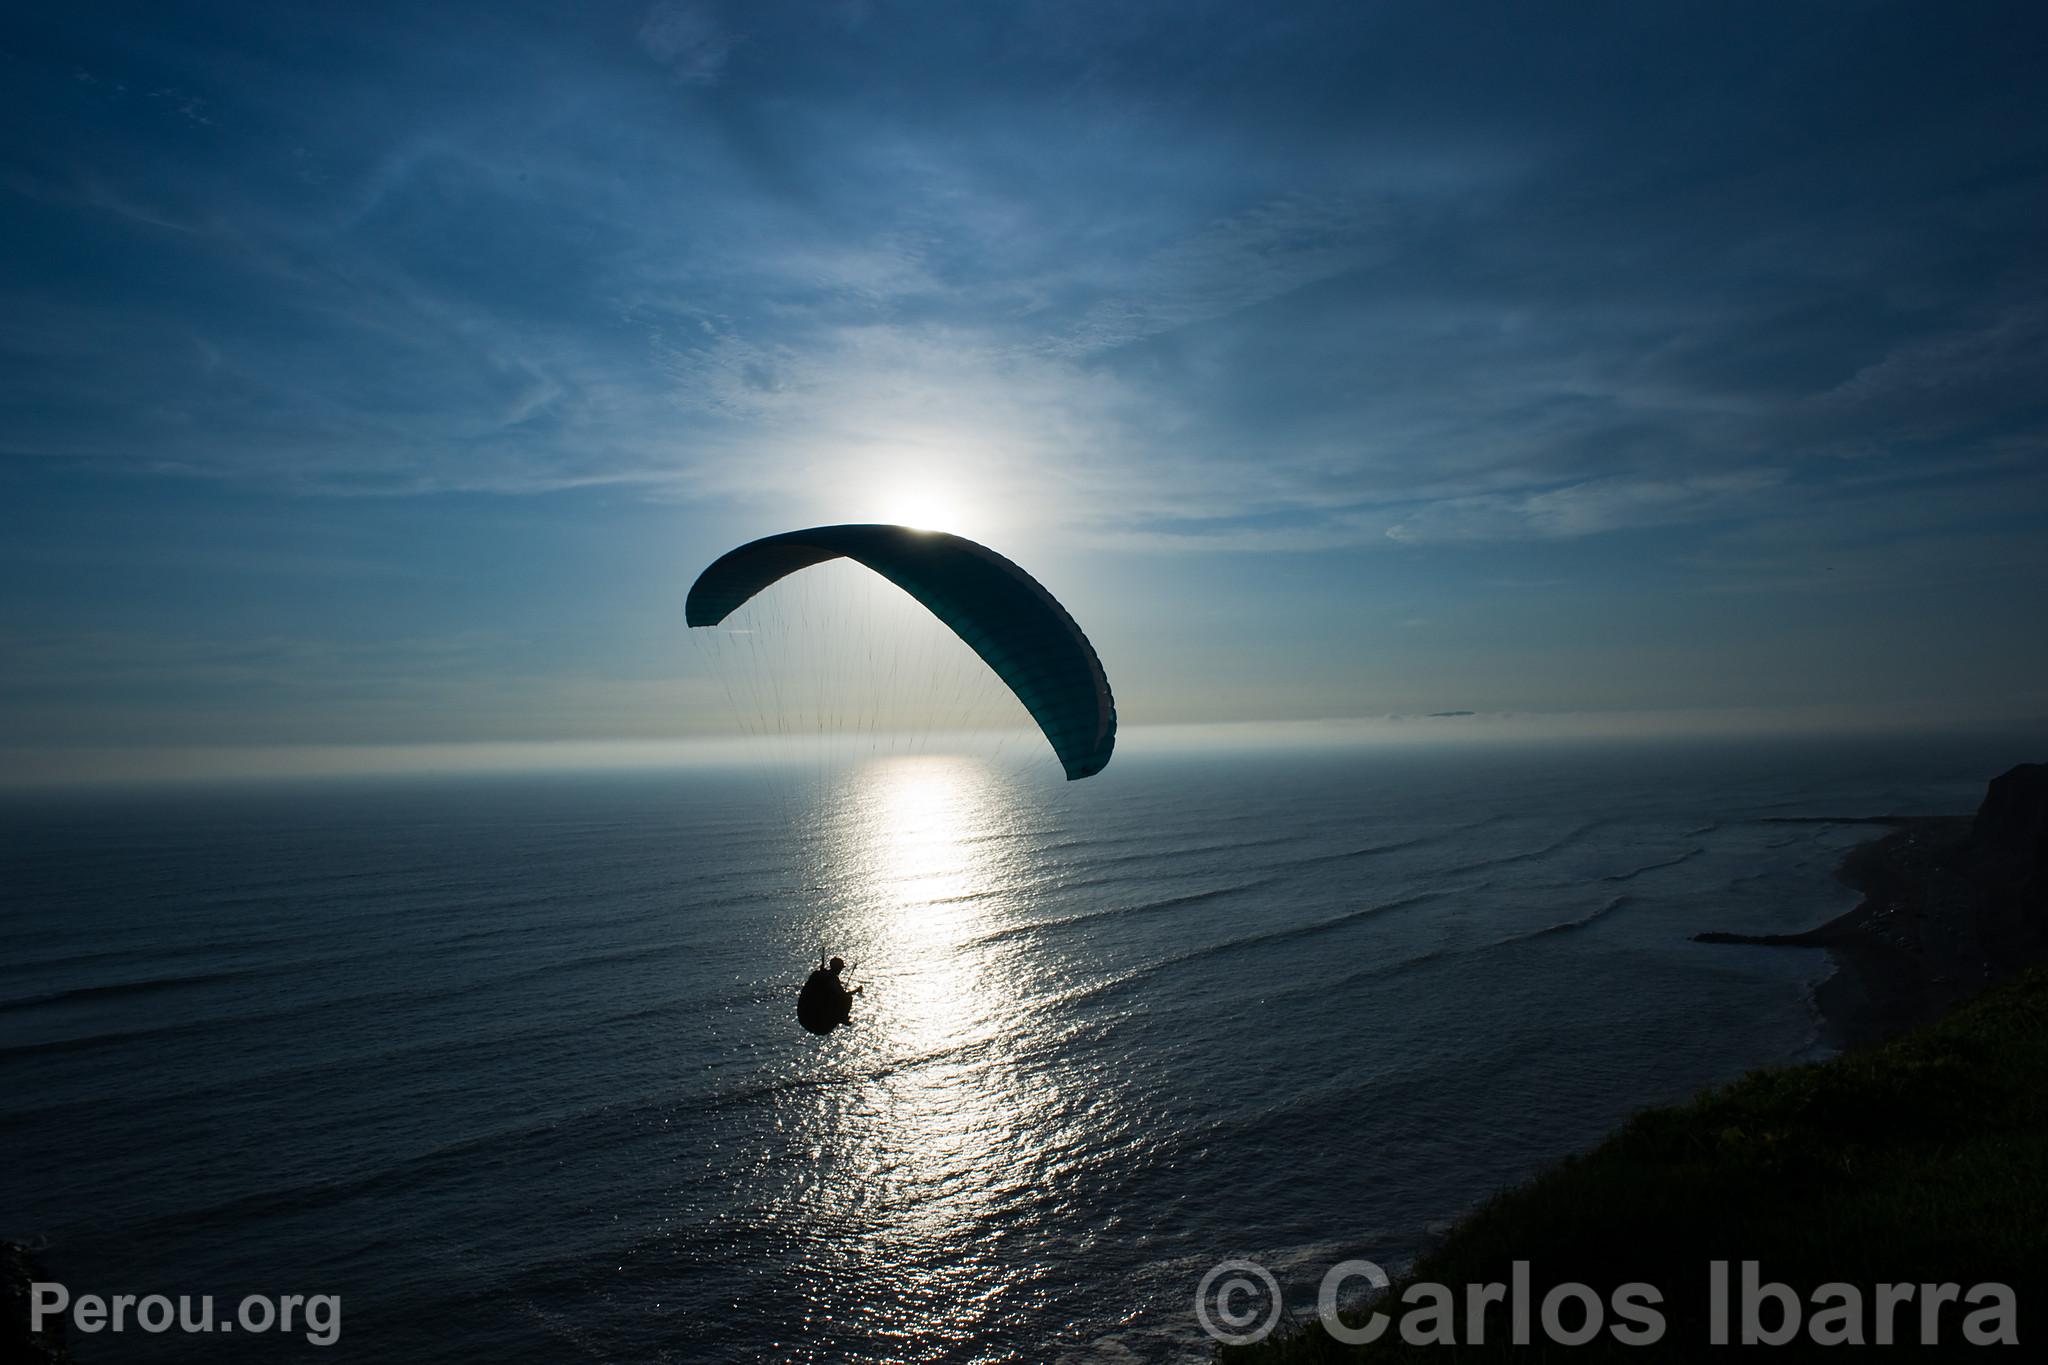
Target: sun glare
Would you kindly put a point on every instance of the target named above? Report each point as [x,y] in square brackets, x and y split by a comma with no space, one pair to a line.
[922,513]
[925,509]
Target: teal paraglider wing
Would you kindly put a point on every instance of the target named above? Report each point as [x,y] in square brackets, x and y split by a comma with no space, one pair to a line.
[1018,628]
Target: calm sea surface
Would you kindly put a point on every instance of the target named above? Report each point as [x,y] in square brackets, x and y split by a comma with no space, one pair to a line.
[510,1064]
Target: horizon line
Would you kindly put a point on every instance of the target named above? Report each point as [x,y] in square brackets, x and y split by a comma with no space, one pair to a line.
[36,768]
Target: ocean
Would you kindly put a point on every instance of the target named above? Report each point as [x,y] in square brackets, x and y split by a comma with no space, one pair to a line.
[510,1064]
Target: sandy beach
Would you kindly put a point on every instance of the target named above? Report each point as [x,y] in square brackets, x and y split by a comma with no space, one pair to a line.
[1950,904]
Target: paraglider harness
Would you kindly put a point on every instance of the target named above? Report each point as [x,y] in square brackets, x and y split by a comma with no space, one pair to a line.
[824,1004]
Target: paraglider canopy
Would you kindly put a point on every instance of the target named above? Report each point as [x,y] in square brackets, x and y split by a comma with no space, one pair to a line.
[1018,628]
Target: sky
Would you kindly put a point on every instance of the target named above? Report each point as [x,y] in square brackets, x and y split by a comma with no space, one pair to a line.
[382,374]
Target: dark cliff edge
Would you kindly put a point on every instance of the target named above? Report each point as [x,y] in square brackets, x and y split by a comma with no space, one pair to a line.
[1950,905]
[18,1339]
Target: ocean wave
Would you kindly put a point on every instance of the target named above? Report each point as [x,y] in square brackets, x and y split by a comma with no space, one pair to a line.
[1402,966]
[1317,927]
[1635,872]
[1566,926]
[1444,835]
[1065,922]
[114,990]
[1190,851]
[363,1003]
[1093,990]
[1564,841]
[38,966]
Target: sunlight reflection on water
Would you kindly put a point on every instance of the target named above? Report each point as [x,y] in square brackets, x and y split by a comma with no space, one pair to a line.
[916,868]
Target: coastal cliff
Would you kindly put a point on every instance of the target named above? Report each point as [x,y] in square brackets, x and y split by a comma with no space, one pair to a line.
[2008,852]
[19,1341]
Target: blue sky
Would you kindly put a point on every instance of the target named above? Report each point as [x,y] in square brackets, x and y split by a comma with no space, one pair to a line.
[382,374]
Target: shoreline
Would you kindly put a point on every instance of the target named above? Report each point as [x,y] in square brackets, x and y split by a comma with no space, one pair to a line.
[1949,907]
[1901,956]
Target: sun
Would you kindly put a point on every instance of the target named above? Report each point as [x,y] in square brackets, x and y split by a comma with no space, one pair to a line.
[924,509]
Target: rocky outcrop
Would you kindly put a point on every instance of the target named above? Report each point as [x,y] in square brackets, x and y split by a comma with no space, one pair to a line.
[18,1340]
[2006,860]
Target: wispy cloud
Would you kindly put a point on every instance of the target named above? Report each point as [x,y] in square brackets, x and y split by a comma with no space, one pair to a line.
[749,289]
[1590,508]
[1262,253]
[687,38]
